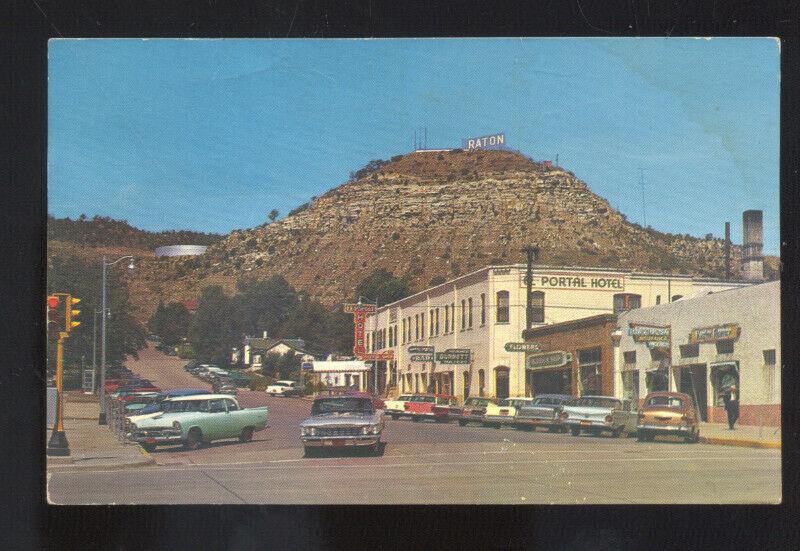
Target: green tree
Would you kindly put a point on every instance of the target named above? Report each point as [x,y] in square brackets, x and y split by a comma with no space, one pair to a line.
[383,287]
[264,305]
[171,323]
[216,327]
[125,335]
[281,366]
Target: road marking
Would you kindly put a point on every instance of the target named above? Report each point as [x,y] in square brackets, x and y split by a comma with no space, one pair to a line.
[316,464]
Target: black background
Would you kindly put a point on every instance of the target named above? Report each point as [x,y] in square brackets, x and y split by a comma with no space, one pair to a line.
[30,523]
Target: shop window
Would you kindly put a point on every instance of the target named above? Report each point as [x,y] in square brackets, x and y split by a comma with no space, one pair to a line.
[769,357]
[657,380]
[481,382]
[725,347]
[463,314]
[723,377]
[502,307]
[483,309]
[537,307]
[689,350]
[591,377]
[630,357]
[626,301]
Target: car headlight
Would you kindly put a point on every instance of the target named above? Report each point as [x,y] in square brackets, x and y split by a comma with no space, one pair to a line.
[308,431]
[376,429]
[365,430]
[176,425]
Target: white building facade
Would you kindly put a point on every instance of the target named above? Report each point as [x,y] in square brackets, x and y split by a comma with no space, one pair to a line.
[713,340]
[486,309]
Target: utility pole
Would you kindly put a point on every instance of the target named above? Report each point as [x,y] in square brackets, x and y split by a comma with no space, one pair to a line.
[530,252]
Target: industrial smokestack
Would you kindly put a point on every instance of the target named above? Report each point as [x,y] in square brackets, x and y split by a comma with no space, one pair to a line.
[753,245]
[727,250]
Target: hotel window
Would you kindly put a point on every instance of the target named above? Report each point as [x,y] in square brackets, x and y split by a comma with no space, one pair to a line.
[422,325]
[404,330]
[626,301]
[537,307]
[483,309]
[502,307]
[446,319]
[463,314]
[469,302]
[689,350]
[591,375]
[409,329]
[658,299]
[432,325]
[769,357]
[437,322]
[630,357]
[416,327]
[452,317]
[725,347]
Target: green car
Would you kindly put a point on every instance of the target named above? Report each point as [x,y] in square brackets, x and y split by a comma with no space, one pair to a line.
[239,379]
[203,419]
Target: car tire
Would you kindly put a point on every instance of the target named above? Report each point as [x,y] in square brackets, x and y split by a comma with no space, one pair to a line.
[693,438]
[642,436]
[376,449]
[194,440]
[310,451]
[395,417]
[618,432]
[462,423]
[148,447]
[246,434]
[576,431]
[415,419]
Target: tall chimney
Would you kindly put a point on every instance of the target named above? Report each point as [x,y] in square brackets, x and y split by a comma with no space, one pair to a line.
[727,250]
[753,245]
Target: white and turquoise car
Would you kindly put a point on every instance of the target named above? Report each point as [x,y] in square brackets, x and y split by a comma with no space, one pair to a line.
[197,420]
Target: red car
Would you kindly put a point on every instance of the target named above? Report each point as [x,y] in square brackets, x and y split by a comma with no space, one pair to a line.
[430,406]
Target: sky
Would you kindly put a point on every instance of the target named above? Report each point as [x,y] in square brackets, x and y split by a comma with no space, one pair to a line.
[211,135]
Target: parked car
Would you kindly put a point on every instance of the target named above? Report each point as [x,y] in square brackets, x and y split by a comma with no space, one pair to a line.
[596,414]
[503,413]
[239,379]
[543,411]
[668,413]
[342,421]
[284,388]
[430,406]
[473,410]
[396,408]
[223,385]
[208,418]
[156,406]
[377,402]
[135,395]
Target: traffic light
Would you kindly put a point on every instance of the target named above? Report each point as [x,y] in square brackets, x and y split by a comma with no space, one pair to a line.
[55,315]
[71,313]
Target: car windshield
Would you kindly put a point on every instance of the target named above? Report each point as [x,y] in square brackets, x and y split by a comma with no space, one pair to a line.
[515,402]
[341,405]
[665,401]
[185,405]
[544,401]
[592,402]
[427,399]
[476,402]
[404,397]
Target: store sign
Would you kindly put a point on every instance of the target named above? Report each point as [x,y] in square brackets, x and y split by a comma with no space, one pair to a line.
[350,308]
[654,336]
[523,347]
[359,321]
[454,356]
[424,358]
[548,359]
[420,350]
[384,356]
[495,141]
[584,282]
[714,333]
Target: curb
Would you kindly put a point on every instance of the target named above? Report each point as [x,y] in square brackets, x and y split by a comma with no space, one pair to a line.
[742,443]
[147,459]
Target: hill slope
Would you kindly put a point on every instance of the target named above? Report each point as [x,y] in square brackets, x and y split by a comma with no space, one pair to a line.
[427,215]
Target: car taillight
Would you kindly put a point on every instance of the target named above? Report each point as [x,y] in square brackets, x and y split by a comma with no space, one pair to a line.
[609,418]
[564,415]
[466,412]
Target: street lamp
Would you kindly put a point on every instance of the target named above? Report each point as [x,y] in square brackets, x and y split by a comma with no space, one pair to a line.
[104,313]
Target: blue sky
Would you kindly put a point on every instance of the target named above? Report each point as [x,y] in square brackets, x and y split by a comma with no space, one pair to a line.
[211,135]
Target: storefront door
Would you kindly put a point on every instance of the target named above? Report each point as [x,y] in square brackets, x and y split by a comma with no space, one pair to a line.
[553,381]
[692,381]
[501,383]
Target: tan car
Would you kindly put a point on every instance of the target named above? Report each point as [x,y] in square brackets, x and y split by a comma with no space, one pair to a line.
[668,413]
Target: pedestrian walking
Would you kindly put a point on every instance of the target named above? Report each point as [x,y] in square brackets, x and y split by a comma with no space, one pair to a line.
[731,399]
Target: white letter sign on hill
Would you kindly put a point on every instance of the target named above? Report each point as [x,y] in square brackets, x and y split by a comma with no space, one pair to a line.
[495,141]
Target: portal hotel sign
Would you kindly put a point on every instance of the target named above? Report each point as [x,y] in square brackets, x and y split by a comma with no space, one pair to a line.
[581,282]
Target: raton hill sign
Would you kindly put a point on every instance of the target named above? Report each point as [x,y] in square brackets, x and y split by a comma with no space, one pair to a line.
[495,141]
[583,282]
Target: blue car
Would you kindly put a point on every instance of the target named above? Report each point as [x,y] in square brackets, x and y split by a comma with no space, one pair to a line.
[156,406]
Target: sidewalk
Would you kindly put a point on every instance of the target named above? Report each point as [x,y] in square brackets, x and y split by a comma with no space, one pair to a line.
[92,445]
[743,435]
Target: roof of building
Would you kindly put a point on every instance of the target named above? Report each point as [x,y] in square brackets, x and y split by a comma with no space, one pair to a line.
[266,344]
[569,325]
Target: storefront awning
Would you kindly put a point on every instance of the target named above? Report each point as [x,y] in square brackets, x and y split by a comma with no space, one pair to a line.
[340,366]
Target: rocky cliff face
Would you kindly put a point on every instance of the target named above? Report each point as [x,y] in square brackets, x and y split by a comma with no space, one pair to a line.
[429,215]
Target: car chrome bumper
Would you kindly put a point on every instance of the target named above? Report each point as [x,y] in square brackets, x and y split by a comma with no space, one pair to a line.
[340,441]
[537,421]
[157,438]
[498,419]
[665,428]
[588,423]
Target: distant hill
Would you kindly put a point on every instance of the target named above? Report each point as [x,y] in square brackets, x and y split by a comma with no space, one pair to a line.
[101,231]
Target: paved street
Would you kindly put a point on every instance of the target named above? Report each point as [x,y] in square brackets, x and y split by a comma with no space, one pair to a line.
[425,463]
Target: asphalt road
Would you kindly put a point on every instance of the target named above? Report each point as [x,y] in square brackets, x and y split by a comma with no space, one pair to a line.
[425,463]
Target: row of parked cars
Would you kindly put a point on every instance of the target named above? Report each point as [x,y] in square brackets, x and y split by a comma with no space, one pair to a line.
[222,381]
[672,413]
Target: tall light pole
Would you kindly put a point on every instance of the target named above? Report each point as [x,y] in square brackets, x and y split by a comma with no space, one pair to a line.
[530,253]
[104,313]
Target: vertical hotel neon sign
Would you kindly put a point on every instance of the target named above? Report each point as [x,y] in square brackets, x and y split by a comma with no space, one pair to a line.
[359,312]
